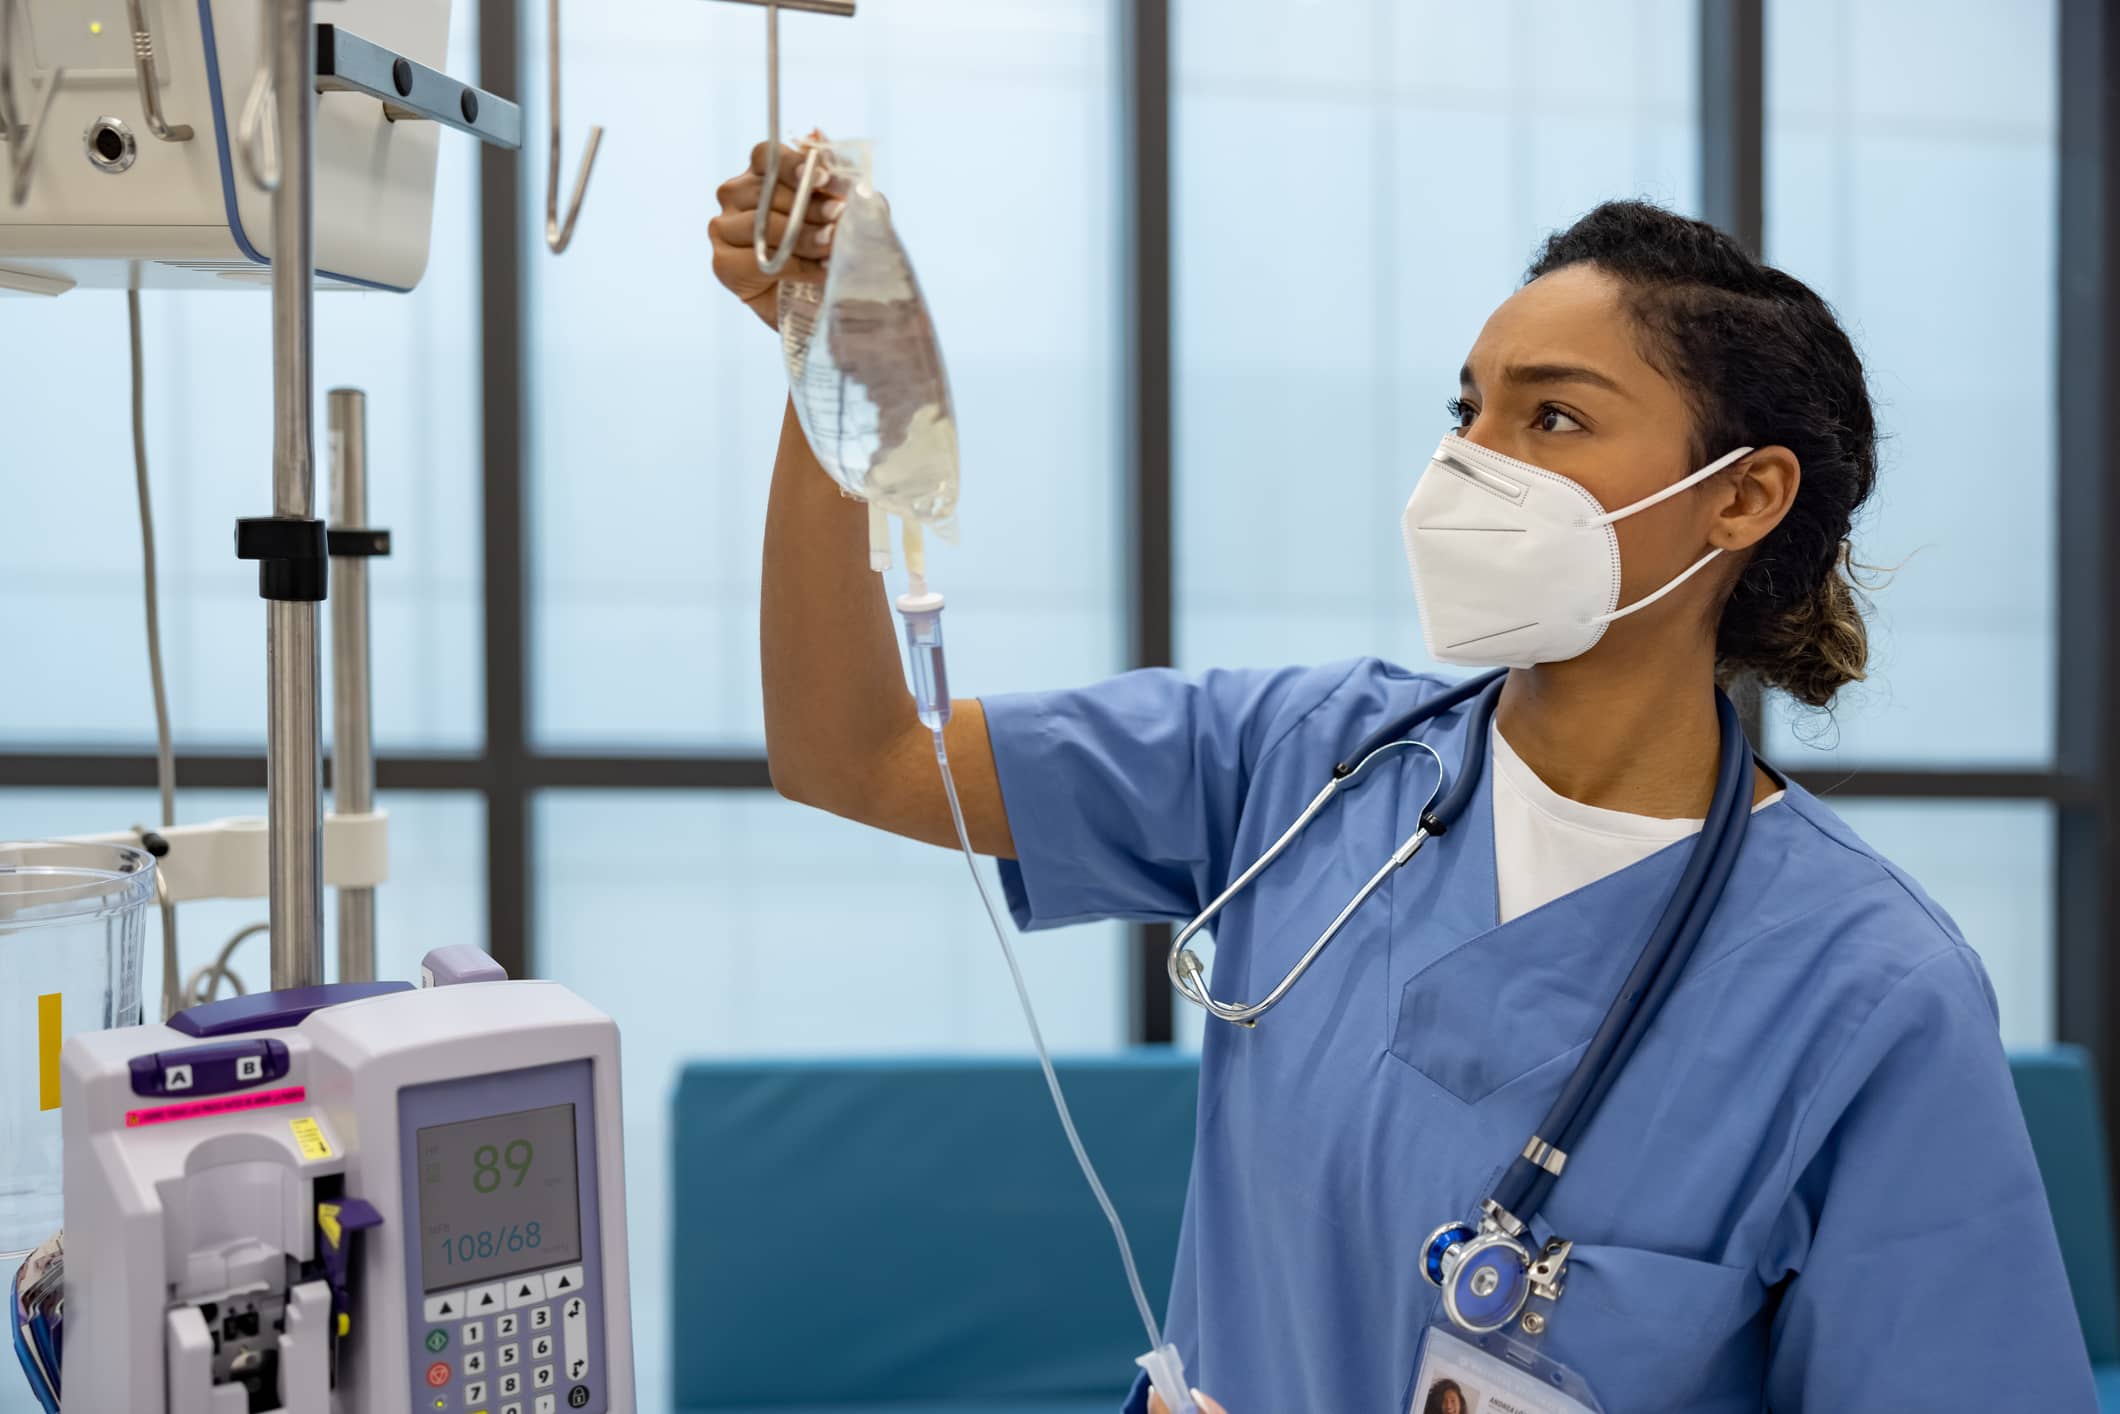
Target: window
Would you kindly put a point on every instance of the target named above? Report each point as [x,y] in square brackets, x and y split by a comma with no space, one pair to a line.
[1357,184]
[1908,147]
[1354,185]
[435,897]
[656,400]
[70,540]
[734,923]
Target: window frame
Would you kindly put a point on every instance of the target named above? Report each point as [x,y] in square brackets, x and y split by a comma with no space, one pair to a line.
[2083,783]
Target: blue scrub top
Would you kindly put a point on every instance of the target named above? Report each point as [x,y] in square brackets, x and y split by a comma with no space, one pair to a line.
[1810,1190]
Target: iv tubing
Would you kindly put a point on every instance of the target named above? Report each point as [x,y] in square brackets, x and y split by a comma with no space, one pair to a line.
[165,754]
[1045,1060]
[922,611]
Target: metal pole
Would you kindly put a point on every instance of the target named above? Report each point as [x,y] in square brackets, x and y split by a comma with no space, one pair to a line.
[353,738]
[293,725]
[2087,420]
[1733,118]
[1145,58]
[511,882]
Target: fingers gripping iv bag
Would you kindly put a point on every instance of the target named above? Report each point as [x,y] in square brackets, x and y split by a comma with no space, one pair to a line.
[864,366]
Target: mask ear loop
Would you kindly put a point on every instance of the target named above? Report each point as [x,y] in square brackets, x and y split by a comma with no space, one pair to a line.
[1657,498]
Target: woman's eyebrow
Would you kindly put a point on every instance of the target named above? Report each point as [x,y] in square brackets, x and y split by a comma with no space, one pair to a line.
[1537,373]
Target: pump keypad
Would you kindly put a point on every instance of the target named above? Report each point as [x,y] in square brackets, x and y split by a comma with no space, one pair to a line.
[540,1348]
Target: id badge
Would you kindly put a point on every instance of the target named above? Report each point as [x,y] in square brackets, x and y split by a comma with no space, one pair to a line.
[1493,1374]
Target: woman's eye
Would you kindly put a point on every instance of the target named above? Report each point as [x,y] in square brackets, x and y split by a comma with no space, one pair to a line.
[1461,412]
[1552,419]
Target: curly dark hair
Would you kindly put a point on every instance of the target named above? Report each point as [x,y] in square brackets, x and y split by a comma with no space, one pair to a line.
[1765,363]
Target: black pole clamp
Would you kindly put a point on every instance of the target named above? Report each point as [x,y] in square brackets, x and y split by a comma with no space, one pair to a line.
[291,555]
[357,544]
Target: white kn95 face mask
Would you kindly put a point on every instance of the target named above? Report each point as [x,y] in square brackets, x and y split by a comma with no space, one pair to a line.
[1515,565]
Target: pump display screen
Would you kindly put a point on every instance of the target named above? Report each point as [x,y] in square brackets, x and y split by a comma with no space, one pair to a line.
[498,1196]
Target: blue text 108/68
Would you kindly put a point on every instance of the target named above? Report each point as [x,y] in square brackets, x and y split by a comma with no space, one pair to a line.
[491,1242]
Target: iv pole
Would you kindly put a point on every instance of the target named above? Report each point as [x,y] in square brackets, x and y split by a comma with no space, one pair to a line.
[293,730]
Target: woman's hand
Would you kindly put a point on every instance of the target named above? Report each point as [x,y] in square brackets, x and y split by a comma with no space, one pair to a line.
[1207,1406]
[735,259]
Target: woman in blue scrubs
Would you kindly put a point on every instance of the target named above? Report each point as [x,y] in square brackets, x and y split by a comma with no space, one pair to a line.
[1811,1188]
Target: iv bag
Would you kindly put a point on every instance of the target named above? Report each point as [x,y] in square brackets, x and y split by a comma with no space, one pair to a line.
[864,366]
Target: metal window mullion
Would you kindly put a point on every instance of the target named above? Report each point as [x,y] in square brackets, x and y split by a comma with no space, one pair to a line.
[1145,394]
[2087,526]
[1733,118]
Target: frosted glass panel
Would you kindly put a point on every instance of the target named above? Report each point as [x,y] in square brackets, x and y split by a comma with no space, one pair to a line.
[69,530]
[736,923]
[656,399]
[1358,184]
[1911,180]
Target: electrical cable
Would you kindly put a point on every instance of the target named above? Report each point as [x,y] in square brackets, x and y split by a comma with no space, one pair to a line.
[205,984]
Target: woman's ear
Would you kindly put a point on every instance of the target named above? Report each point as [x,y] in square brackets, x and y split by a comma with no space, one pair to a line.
[1762,487]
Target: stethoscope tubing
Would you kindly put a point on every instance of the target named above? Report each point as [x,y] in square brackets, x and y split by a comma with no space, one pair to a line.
[1435,818]
[1524,1188]
[1525,1184]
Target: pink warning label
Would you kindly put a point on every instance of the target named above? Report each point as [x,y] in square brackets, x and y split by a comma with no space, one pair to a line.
[217,1105]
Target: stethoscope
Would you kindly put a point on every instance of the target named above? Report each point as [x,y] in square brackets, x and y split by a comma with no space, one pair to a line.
[1487,1271]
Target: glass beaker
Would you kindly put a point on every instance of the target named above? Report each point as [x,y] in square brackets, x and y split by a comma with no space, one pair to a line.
[73,919]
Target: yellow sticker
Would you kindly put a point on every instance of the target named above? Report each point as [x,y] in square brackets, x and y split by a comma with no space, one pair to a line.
[310,1138]
[48,1039]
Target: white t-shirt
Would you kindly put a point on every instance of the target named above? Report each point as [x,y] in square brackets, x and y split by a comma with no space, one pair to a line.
[1546,845]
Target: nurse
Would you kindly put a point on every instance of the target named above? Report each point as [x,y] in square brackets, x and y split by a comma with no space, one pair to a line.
[1811,1188]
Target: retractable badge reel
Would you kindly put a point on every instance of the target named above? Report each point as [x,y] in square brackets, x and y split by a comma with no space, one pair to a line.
[1483,1344]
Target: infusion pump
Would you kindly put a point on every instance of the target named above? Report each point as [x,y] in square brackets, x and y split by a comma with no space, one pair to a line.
[350,1199]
